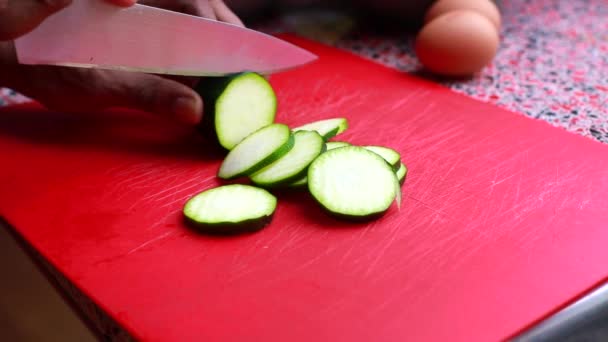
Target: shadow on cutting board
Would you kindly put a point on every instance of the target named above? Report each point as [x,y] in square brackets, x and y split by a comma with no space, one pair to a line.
[115,131]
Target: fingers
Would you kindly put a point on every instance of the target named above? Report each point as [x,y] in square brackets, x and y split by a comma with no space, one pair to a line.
[21,16]
[192,7]
[69,89]
[157,95]
[125,3]
[210,9]
[224,13]
[202,8]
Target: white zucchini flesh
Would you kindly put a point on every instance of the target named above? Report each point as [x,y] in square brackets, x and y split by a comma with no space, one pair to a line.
[353,182]
[308,145]
[330,145]
[327,128]
[256,151]
[247,104]
[390,155]
[230,208]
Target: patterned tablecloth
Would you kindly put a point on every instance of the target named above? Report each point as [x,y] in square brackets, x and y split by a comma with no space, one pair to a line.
[552,65]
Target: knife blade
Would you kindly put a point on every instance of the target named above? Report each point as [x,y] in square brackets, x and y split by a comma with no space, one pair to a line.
[94,34]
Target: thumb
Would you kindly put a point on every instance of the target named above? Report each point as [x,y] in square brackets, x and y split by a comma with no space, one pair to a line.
[18,17]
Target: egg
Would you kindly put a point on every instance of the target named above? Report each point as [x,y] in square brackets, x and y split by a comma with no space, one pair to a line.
[457,43]
[486,8]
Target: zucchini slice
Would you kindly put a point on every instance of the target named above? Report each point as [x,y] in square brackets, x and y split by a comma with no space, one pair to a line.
[327,128]
[237,106]
[401,173]
[353,183]
[300,183]
[256,151]
[293,165]
[330,145]
[336,144]
[390,155]
[230,209]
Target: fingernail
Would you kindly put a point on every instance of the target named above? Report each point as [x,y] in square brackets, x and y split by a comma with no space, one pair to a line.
[186,110]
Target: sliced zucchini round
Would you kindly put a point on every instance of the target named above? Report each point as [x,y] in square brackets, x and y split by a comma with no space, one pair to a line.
[237,106]
[327,128]
[308,145]
[353,183]
[256,151]
[230,209]
[390,155]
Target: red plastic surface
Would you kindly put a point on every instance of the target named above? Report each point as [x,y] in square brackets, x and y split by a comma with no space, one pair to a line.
[503,219]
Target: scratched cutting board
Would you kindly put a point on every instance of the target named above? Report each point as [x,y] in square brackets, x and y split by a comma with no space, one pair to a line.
[503,219]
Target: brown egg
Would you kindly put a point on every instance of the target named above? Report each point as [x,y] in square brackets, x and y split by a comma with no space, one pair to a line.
[458,43]
[485,7]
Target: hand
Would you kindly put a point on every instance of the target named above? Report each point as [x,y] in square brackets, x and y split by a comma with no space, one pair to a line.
[212,9]
[71,89]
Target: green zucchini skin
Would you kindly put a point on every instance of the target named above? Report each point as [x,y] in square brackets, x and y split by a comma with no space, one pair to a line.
[271,158]
[331,134]
[342,125]
[387,152]
[351,218]
[230,228]
[402,176]
[291,179]
[299,184]
[330,145]
[267,161]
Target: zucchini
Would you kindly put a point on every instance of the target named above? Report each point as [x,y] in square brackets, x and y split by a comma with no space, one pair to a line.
[390,155]
[348,181]
[353,183]
[327,128]
[401,173]
[302,182]
[330,145]
[256,151]
[336,144]
[236,106]
[230,209]
[294,164]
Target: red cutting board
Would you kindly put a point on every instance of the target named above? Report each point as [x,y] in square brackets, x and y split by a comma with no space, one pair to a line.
[503,219]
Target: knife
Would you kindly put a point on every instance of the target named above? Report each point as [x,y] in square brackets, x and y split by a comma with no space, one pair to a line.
[94,34]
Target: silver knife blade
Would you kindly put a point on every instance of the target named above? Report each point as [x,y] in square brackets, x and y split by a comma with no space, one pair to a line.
[94,34]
